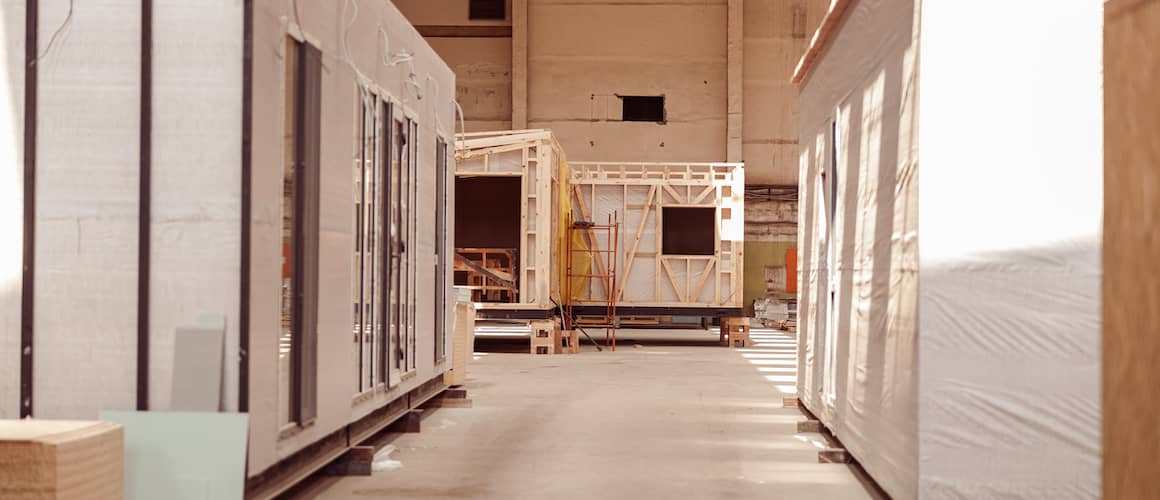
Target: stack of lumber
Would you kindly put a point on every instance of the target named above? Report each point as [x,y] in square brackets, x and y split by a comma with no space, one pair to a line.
[463,343]
[57,459]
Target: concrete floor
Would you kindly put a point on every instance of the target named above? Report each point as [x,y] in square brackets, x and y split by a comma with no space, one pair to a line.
[654,421]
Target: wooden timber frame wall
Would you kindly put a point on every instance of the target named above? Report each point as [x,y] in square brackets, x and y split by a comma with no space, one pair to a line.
[639,193]
[536,157]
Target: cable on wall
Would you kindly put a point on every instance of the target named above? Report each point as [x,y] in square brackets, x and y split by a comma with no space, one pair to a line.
[59,30]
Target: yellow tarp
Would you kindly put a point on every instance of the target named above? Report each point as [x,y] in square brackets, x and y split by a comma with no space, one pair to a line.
[581,260]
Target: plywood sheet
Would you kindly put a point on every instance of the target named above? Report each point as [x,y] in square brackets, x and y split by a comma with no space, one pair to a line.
[60,459]
[1131,272]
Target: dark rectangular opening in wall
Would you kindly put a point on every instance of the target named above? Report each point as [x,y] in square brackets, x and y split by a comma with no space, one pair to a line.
[643,108]
[487,233]
[688,231]
[486,9]
[487,212]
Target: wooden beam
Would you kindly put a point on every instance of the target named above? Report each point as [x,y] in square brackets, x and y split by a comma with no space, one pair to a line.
[672,280]
[673,192]
[821,40]
[628,258]
[705,193]
[709,270]
[471,31]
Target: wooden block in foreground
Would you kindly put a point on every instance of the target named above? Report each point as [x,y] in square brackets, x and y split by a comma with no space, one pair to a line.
[790,402]
[61,459]
[833,456]
[809,426]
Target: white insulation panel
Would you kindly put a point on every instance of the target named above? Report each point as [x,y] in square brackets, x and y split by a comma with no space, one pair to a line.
[973,373]
[11,200]
[87,191]
[196,188]
[860,379]
[1010,236]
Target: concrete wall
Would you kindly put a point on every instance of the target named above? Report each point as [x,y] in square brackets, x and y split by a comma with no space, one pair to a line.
[1131,288]
[860,376]
[775,36]
[320,23]
[482,66]
[483,75]
[579,54]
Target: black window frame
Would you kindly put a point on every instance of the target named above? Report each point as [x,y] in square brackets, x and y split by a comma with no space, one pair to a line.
[306,196]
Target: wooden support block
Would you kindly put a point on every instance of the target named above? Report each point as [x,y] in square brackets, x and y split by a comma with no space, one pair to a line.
[569,342]
[355,462]
[449,403]
[809,426]
[834,456]
[455,394]
[545,337]
[790,402]
[409,422]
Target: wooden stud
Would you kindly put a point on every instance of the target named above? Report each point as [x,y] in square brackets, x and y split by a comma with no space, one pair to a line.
[709,268]
[790,402]
[672,280]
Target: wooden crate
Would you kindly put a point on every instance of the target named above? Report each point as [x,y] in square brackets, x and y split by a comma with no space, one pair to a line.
[58,459]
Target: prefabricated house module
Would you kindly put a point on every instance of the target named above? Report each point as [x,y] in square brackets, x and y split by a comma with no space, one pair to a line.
[680,248]
[298,211]
[949,314]
[508,221]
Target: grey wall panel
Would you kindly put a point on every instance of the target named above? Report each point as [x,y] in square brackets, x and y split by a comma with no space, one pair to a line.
[87,192]
[11,200]
[320,23]
[197,82]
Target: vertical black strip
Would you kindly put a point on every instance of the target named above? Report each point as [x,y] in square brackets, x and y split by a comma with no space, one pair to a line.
[145,204]
[244,281]
[28,275]
[308,171]
[385,176]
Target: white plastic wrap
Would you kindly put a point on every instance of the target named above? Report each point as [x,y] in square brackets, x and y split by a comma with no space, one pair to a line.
[973,373]
[1009,323]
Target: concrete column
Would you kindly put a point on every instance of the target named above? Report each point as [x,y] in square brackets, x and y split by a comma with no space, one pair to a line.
[519,64]
[734,74]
